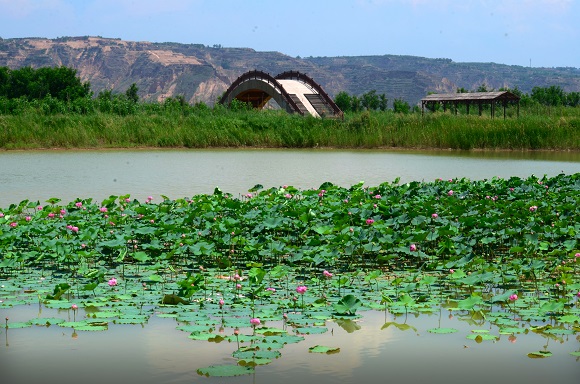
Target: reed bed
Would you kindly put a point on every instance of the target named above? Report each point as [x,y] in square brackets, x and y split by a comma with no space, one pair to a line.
[536,128]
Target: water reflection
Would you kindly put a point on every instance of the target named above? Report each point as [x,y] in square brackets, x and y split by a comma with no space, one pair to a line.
[40,175]
[157,352]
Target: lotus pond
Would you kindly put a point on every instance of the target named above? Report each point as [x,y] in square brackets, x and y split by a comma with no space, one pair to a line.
[302,282]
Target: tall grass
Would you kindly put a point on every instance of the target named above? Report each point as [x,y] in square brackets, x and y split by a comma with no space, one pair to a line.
[535,128]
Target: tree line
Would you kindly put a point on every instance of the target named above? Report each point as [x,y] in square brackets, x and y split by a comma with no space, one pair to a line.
[53,90]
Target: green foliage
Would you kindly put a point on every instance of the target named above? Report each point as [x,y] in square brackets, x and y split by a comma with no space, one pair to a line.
[347,305]
[401,106]
[61,83]
[131,93]
[369,101]
[552,96]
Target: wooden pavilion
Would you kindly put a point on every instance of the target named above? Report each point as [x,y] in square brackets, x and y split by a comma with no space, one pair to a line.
[475,98]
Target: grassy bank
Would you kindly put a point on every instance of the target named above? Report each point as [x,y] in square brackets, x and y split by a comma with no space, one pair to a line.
[538,128]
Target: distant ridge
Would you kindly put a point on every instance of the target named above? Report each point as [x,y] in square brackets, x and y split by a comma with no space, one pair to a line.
[202,73]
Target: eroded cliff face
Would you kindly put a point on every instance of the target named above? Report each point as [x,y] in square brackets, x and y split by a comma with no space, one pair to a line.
[202,74]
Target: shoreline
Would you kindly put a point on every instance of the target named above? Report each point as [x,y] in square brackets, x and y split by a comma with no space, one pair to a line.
[325,148]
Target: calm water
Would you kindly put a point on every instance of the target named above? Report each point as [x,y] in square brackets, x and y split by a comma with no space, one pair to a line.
[159,353]
[39,175]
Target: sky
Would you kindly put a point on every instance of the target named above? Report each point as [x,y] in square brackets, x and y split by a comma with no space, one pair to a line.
[537,33]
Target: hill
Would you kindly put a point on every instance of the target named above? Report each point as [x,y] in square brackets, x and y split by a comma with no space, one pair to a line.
[202,73]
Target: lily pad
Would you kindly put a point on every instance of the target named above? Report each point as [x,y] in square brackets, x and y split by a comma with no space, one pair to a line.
[482,336]
[46,321]
[539,354]
[19,325]
[323,349]
[442,330]
[225,370]
[311,330]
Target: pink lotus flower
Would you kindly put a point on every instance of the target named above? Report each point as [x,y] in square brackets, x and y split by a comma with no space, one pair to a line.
[103,209]
[238,286]
[513,297]
[13,224]
[301,289]
[412,247]
[255,321]
[327,274]
[78,204]
[112,282]
[578,294]
[270,289]
[450,193]
[39,208]
[1,214]
[377,196]
[74,307]
[370,221]
[434,215]
[533,208]
[28,218]
[51,215]
[452,271]
[221,302]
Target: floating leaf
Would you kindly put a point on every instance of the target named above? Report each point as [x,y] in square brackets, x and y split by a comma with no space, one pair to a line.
[539,354]
[323,349]
[46,321]
[256,354]
[19,325]
[442,330]
[311,330]
[225,371]
[481,336]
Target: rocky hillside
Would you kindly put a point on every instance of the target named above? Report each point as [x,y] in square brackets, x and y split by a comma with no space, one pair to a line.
[201,73]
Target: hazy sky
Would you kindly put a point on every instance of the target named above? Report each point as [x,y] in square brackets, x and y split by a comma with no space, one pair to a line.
[517,32]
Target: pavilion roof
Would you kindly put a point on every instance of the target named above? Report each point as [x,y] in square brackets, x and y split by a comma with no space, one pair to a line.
[472,96]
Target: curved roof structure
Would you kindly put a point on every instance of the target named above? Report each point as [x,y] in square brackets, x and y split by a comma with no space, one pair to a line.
[293,91]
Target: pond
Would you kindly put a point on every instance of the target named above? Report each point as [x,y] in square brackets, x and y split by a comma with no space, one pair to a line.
[159,353]
[39,175]
[446,335]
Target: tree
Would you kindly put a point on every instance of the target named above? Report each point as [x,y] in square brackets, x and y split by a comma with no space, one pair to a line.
[343,101]
[383,102]
[483,88]
[370,100]
[59,82]
[131,93]
[401,106]
[551,96]
[573,99]
[355,103]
